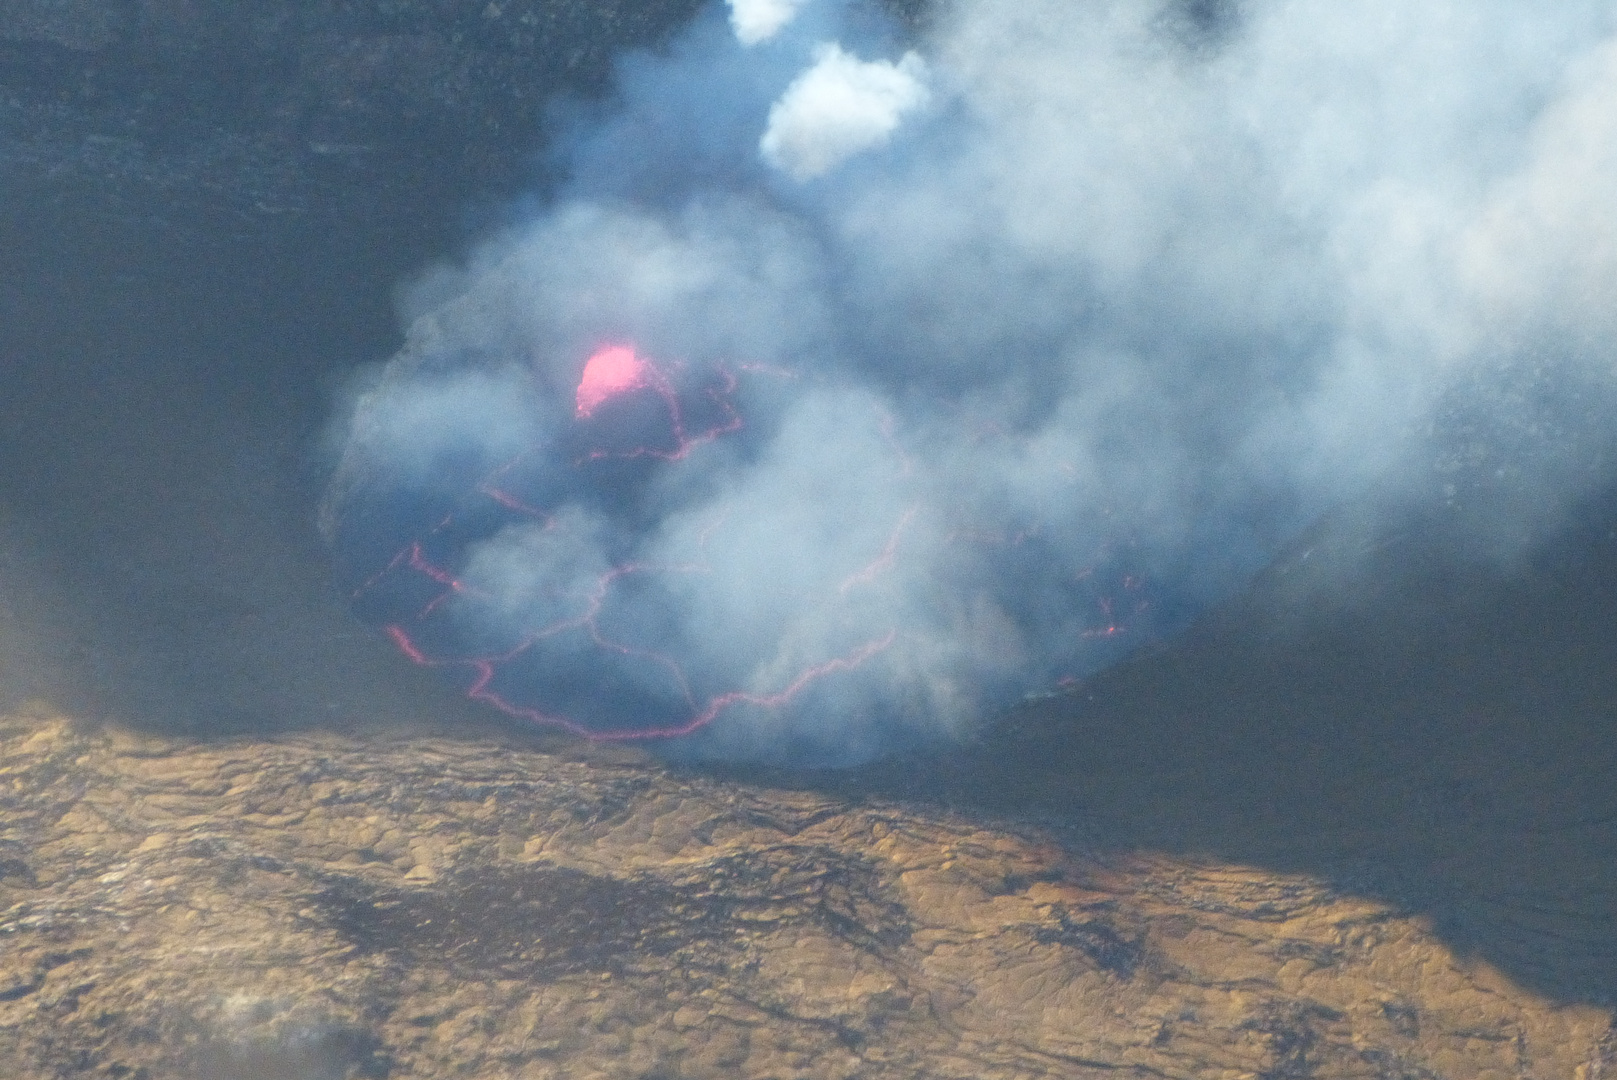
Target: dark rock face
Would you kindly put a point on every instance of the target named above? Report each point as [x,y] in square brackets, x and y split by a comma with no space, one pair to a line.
[84,27]
[282,105]
[327,908]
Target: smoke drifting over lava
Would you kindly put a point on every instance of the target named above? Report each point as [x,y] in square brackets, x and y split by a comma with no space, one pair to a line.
[853,387]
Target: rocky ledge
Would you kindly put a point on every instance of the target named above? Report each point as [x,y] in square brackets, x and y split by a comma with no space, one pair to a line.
[319,907]
[171,109]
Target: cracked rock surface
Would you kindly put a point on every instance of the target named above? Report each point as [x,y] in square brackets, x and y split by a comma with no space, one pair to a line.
[316,907]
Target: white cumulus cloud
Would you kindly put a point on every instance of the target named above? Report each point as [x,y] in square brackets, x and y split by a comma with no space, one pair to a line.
[760,20]
[840,107]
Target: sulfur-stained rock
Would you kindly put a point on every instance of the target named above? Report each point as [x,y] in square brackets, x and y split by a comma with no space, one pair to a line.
[329,908]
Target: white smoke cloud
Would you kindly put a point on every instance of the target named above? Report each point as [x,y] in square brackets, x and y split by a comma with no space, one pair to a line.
[756,21]
[1544,244]
[840,107]
[1133,301]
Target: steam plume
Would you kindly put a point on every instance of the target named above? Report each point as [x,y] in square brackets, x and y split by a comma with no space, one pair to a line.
[964,370]
[760,20]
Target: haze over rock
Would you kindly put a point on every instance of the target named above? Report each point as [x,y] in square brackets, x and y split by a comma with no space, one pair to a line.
[269,109]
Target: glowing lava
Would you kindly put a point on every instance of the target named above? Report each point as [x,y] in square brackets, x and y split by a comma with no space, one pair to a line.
[614,372]
[609,372]
[412,595]
[586,658]
[484,670]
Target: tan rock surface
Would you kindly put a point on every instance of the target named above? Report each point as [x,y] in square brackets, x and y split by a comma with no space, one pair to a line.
[317,907]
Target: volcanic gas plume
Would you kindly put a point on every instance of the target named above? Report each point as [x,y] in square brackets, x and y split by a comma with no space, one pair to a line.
[856,385]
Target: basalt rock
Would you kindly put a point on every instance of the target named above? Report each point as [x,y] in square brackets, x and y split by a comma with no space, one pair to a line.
[319,907]
[277,107]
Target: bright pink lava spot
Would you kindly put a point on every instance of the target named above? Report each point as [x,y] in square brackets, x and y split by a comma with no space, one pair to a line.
[611,371]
